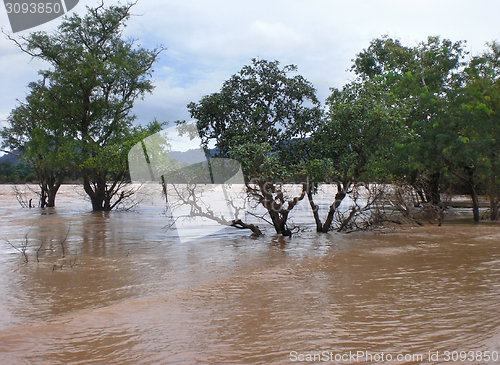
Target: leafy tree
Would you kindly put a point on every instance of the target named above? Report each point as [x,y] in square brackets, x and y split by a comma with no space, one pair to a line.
[257,118]
[98,75]
[471,139]
[35,132]
[354,142]
[424,80]
[484,83]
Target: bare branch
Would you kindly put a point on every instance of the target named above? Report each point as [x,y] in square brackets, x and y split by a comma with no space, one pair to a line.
[64,240]
[11,153]
[22,249]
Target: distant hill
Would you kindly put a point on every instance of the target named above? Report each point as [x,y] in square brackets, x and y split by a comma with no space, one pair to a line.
[9,157]
[187,157]
[190,156]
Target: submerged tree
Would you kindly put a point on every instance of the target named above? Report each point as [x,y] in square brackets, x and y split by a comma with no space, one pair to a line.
[35,132]
[484,85]
[471,137]
[354,143]
[424,80]
[99,76]
[252,119]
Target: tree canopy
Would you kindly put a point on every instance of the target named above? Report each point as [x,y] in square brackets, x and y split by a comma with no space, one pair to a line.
[85,100]
[257,118]
[424,115]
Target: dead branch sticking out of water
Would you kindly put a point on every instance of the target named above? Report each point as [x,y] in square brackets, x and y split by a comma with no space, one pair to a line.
[63,241]
[39,248]
[69,262]
[22,248]
[256,232]
[402,201]
[384,205]
[73,263]
[192,196]
[364,213]
[22,197]
[126,200]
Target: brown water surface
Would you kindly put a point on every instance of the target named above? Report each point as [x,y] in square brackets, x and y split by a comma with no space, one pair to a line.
[127,292]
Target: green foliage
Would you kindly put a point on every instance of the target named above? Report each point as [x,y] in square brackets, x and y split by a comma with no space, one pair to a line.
[474,131]
[20,173]
[35,131]
[358,133]
[256,115]
[424,115]
[261,117]
[80,112]
[452,108]
[425,81]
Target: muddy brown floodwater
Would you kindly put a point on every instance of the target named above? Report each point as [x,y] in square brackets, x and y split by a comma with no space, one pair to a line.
[128,292]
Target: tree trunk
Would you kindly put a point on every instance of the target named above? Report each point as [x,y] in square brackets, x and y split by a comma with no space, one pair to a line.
[475,203]
[164,187]
[43,197]
[494,202]
[339,197]
[49,182]
[493,210]
[420,193]
[97,196]
[494,197]
[107,204]
[469,180]
[51,196]
[274,201]
[315,211]
[432,189]
[97,204]
[279,223]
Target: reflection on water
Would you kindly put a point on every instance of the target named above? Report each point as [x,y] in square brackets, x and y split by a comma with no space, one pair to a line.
[127,291]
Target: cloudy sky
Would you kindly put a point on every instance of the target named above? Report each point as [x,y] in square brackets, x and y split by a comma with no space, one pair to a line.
[207,41]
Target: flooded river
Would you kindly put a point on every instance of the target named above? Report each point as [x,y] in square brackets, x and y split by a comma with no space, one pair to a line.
[128,292]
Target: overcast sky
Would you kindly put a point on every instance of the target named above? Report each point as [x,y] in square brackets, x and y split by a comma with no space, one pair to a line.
[207,41]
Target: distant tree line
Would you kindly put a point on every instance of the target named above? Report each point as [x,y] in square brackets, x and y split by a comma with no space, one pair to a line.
[20,173]
[15,174]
